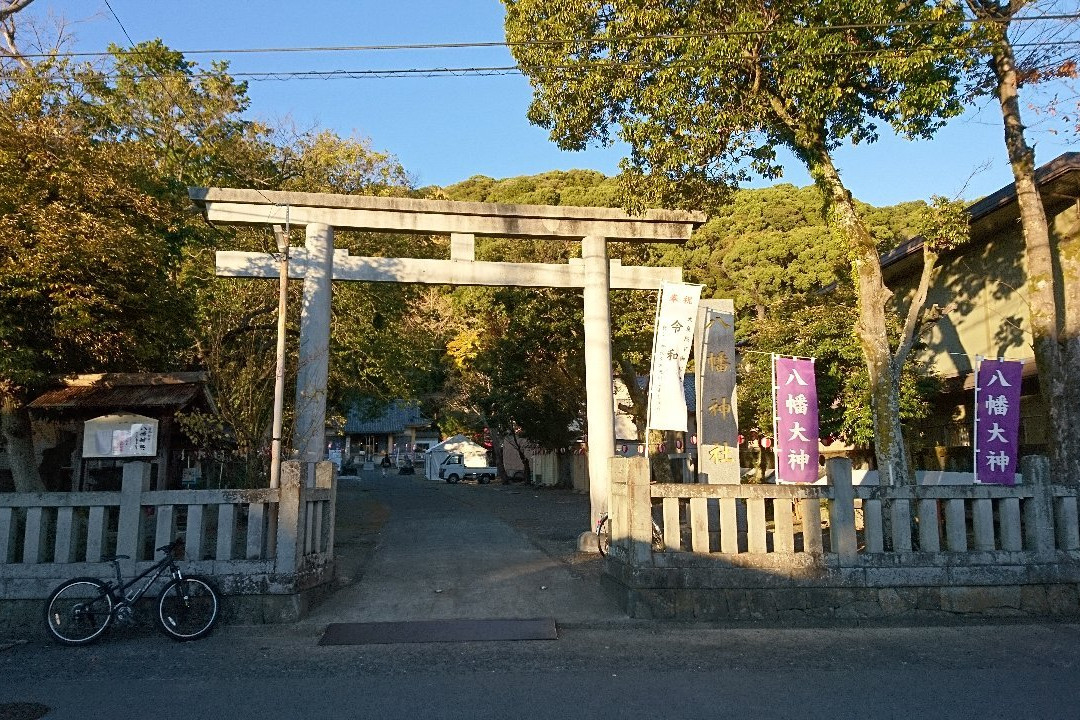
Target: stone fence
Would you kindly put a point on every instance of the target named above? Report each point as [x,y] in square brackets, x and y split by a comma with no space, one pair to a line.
[843,551]
[269,550]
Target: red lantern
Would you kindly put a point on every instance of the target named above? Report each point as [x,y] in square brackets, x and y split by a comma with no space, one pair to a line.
[766,442]
[740,439]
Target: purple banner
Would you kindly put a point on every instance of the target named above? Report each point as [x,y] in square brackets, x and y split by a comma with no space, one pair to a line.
[997,421]
[795,408]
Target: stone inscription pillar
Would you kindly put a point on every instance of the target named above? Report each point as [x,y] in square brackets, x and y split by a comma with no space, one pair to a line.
[309,434]
[598,388]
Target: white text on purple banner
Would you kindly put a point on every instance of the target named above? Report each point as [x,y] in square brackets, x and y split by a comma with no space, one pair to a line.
[997,421]
[796,411]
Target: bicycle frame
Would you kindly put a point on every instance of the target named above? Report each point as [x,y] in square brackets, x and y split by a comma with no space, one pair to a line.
[119,591]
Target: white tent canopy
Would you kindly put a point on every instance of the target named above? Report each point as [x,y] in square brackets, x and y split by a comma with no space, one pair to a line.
[456,444]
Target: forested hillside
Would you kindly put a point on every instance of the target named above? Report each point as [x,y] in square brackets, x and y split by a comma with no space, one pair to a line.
[765,245]
[768,249]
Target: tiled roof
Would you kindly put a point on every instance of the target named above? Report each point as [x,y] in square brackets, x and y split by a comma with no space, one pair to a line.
[1057,168]
[395,418]
[128,390]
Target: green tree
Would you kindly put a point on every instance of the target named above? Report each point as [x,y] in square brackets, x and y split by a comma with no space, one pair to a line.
[87,253]
[1053,285]
[704,92]
[172,123]
[189,120]
[823,330]
[186,123]
[386,340]
[531,351]
[519,366]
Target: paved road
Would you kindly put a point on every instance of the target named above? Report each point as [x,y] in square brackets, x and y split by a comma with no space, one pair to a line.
[602,664]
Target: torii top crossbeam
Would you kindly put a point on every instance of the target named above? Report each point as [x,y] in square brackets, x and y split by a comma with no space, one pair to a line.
[442,217]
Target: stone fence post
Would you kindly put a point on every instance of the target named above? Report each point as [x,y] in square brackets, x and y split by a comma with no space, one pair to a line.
[631,512]
[134,482]
[1039,511]
[290,521]
[326,477]
[618,506]
[842,510]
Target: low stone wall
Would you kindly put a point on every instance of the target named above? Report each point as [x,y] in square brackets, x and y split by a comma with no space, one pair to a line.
[268,551]
[695,595]
[839,552]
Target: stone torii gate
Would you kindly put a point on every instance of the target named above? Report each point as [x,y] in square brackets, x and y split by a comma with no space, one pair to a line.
[318,264]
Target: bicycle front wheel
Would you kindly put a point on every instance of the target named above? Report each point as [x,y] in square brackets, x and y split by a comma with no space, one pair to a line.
[188,609]
[79,611]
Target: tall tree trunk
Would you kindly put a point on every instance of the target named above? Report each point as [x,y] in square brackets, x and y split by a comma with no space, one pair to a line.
[497,449]
[525,464]
[1059,393]
[18,435]
[639,397]
[872,328]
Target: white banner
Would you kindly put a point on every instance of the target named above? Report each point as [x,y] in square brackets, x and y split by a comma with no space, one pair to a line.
[672,337]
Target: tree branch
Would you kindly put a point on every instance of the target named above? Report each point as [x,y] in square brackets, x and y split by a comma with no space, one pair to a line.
[915,310]
[11,7]
[7,26]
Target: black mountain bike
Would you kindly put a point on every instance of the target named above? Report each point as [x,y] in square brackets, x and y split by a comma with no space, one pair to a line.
[80,610]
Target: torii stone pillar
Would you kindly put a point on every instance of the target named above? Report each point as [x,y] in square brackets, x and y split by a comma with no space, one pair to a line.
[318,264]
[309,434]
[600,414]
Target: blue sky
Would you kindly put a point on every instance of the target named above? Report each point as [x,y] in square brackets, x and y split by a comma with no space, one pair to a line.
[444,130]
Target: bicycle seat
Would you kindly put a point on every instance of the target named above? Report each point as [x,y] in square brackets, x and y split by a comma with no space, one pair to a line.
[172,547]
[114,558]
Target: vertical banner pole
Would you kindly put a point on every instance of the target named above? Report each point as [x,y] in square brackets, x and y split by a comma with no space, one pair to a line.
[775,419]
[975,422]
[648,396]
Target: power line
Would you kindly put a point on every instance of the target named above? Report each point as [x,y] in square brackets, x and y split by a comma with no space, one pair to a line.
[158,78]
[501,70]
[117,19]
[565,41]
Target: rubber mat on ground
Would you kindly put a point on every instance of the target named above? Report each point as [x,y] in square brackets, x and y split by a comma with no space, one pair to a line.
[424,631]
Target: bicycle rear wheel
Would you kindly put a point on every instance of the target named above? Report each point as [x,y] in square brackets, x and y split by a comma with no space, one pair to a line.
[603,536]
[657,538]
[79,611]
[188,609]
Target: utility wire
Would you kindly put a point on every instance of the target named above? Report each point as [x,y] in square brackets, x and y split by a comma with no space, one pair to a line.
[160,82]
[497,70]
[117,19]
[570,41]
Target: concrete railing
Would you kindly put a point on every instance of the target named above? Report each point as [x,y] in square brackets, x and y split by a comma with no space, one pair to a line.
[1006,548]
[265,546]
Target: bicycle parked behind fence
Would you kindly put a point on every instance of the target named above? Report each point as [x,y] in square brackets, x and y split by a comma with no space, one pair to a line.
[80,610]
[603,536]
